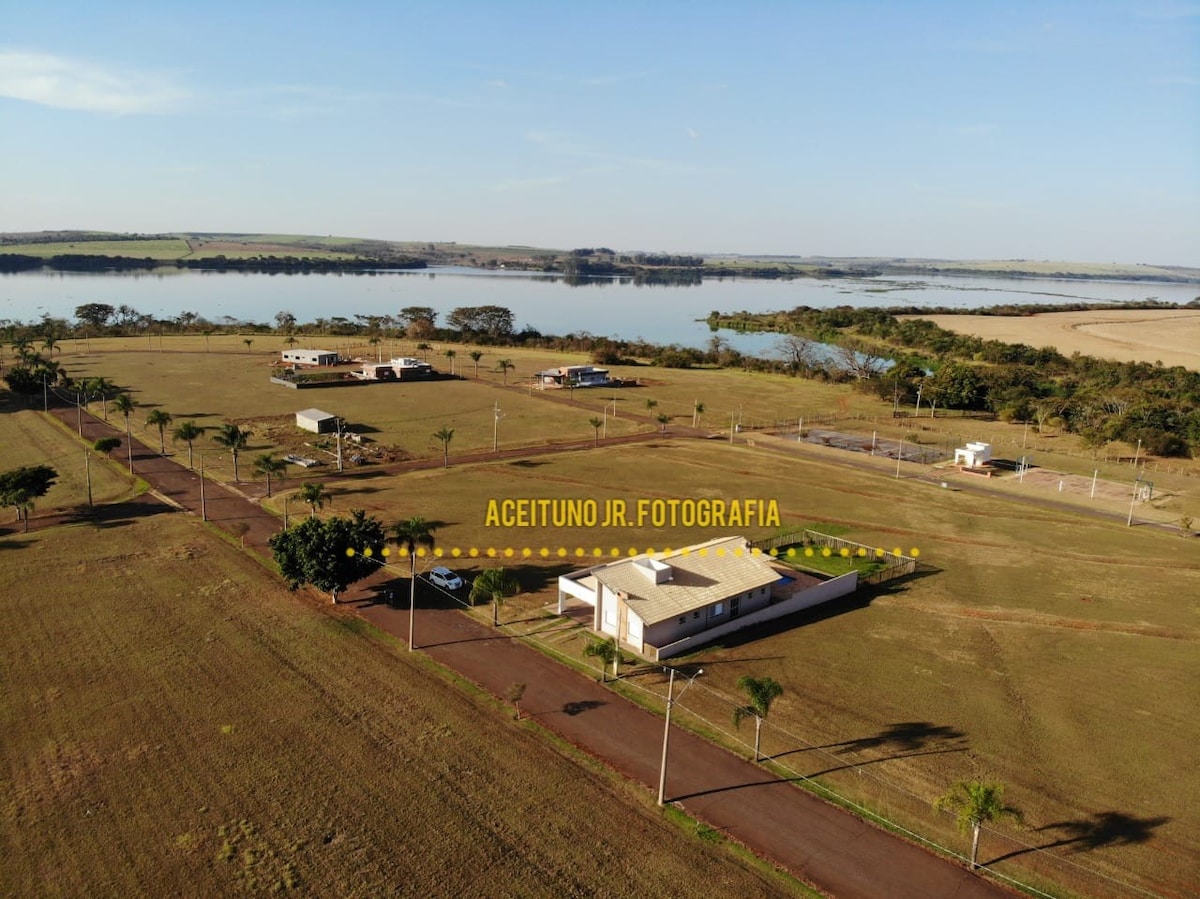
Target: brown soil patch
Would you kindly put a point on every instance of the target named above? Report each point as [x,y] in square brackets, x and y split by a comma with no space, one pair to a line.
[1127,335]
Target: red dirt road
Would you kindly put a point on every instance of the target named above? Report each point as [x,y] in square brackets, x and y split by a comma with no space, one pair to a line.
[825,846]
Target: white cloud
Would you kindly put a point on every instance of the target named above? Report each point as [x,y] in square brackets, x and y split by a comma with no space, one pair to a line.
[77,84]
[693,133]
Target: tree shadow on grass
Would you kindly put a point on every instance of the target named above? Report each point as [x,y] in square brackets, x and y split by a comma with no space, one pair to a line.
[1100,830]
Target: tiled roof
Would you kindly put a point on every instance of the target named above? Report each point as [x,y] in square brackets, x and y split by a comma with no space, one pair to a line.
[700,576]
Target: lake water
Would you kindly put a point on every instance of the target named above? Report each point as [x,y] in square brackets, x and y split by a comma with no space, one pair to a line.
[606,307]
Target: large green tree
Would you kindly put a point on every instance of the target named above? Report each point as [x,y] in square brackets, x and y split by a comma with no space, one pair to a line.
[493,585]
[976,803]
[605,652]
[19,487]
[329,553]
[410,535]
[761,692]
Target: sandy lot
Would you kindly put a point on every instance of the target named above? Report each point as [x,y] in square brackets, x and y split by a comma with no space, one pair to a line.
[1128,335]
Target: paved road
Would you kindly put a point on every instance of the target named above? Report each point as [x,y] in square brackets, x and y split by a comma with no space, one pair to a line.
[838,853]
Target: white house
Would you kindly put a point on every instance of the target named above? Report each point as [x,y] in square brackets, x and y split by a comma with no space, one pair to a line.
[407,368]
[669,603]
[577,375]
[973,455]
[310,357]
[316,421]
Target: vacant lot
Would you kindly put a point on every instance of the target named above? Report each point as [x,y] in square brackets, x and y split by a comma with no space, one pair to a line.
[1127,335]
[172,716]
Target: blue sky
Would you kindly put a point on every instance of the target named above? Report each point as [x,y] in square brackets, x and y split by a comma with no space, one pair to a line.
[1066,131]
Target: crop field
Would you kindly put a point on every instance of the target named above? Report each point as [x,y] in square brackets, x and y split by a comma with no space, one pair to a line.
[1127,335]
[175,720]
[169,249]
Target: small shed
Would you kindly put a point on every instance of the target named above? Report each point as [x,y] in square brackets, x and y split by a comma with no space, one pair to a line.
[316,421]
[973,455]
[310,357]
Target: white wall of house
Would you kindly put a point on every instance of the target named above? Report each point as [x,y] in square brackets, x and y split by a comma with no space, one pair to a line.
[802,599]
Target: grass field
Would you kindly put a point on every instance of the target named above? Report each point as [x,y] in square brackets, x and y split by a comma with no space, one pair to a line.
[1027,653]
[1048,649]
[175,721]
[1129,335]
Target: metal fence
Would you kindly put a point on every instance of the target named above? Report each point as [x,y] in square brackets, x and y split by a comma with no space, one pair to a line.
[895,564]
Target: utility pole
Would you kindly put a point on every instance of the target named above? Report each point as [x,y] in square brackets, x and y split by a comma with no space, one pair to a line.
[496,415]
[662,772]
[203,507]
[87,468]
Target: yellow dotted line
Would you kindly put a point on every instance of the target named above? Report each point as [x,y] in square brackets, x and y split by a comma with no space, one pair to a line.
[579,552]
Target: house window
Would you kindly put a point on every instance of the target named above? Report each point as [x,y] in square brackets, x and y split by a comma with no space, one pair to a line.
[683,619]
[696,614]
[719,609]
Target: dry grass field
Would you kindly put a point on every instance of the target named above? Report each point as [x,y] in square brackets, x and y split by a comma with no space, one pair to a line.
[1054,651]
[1038,647]
[177,723]
[1127,335]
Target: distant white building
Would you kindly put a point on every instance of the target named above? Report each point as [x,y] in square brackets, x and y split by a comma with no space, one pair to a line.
[973,455]
[573,375]
[316,421]
[407,368]
[310,357]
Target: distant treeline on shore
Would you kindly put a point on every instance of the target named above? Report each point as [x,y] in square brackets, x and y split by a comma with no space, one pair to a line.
[82,262]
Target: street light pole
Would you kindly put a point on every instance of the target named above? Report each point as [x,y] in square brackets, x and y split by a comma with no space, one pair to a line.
[662,773]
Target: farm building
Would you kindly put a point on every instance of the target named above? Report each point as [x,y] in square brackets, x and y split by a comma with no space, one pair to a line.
[373,372]
[310,357]
[407,368]
[973,455]
[316,421]
[573,375]
[666,604]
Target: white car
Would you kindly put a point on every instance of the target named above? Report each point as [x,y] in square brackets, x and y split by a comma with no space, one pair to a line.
[445,578]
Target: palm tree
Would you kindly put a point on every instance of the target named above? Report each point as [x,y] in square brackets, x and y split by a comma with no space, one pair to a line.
[697,411]
[267,464]
[596,424]
[409,535]
[650,404]
[316,496]
[445,435]
[475,355]
[187,432]
[493,586]
[100,387]
[50,345]
[424,348]
[761,691]
[605,651]
[21,346]
[450,354]
[124,404]
[233,439]
[290,341]
[247,341]
[206,334]
[159,418]
[976,803]
[503,366]
[663,418]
